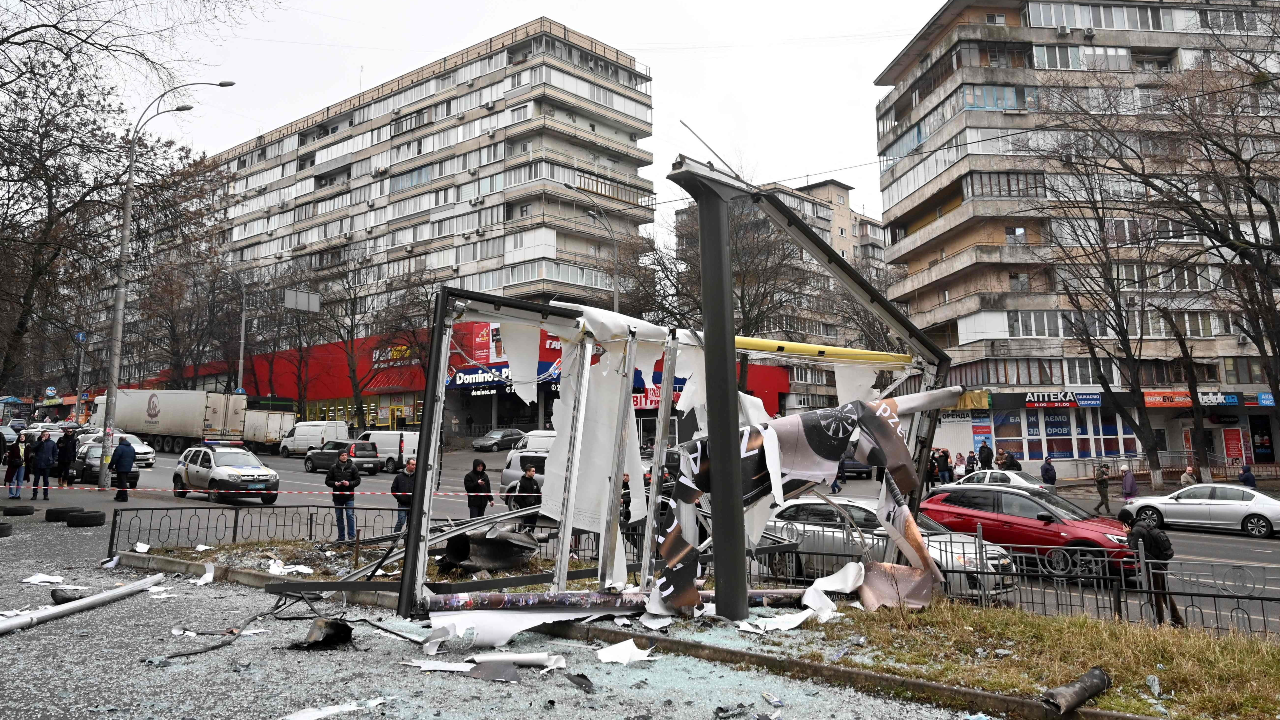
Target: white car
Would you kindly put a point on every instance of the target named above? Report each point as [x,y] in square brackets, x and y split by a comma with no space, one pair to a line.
[219,469]
[999,477]
[1212,505]
[826,543]
[144,454]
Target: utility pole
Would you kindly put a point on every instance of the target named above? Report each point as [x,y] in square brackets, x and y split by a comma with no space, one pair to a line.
[80,338]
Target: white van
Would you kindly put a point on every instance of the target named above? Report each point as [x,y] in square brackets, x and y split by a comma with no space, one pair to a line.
[536,441]
[396,448]
[309,435]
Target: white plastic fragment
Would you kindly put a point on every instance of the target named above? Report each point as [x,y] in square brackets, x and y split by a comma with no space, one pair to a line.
[157,589]
[42,579]
[206,578]
[546,661]
[254,631]
[275,567]
[141,547]
[109,564]
[655,622]
[493,628]
[180,631]
[656,605]
[623,653]
[846,580]
[789,621]
[621,621]
[202,548]
[323,712]
[437,665]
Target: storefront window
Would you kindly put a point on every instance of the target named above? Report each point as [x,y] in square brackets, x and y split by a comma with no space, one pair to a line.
[1008,432]
[1035,446]
[1062,433]
[1057,432]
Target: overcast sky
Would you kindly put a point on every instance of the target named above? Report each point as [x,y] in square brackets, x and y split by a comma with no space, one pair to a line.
[783,89]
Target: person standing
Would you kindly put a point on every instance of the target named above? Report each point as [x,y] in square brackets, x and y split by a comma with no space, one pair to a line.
[66,456]
[1103,484]
[1246,477]
[122,464]
[29,456]
[961,467]
[476,483]
[470,421]
[344,478]
[985,455]
[14,473]
[971,463]
[1128,484]
[528,494]
[1157,548]
[1011,462]
[402,491]
[944,466]
[1049,475]
[46,455]
[1188,477]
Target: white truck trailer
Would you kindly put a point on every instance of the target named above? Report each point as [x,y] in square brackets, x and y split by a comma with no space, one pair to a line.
[173,420]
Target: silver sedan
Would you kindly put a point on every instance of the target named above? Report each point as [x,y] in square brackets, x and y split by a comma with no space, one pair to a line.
[1221,506]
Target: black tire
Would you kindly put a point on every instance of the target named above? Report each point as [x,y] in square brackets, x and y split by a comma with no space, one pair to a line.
[374,471]
[269,499]
[214,495]
[1257,526]
[91,518]
[15,510]
[391,465]
[6,529]
[60,514]
[308,466]
[179,490]
[166,444]
[284,451]
[1151,514]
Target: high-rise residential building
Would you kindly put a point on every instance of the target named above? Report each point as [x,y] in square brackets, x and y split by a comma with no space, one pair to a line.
[855,235]
[955,204]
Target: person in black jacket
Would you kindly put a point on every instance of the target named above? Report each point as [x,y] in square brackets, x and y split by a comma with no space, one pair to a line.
[528,494]
[402,491]
[46,457]
[344,478]
[1158,551]
[479,494]
[66,456]
[985,455]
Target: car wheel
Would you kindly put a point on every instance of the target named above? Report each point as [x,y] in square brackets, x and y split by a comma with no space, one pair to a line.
[269,499]
[308,466]
[166,444]
[374,471]
[1151,515]
[284,451]
[1257,526]
[214,495]
[178,490]
[6,529]
[391,465]
[89,518]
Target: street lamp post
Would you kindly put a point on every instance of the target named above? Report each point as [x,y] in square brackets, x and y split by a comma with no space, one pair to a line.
[599,216]
[117,324]
[244,311]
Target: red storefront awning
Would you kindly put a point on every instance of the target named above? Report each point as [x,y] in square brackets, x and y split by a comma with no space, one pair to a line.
[397,380]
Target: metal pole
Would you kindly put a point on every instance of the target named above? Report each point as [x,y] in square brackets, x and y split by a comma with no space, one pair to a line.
[117,324]
[722,403]
[659,461]
[36,617]
[613,511]
[413,580]
[79,380]
[560,575]
[244,311]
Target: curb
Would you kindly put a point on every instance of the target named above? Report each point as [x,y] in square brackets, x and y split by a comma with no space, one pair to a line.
[951,696]
[250,578]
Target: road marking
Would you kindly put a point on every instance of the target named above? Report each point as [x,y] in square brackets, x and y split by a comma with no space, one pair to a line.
[1221,561]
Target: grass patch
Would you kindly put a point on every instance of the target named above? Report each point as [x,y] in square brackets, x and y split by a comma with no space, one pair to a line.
[1233,676]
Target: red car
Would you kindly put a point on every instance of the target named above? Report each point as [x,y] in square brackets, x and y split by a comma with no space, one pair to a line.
[1057,531]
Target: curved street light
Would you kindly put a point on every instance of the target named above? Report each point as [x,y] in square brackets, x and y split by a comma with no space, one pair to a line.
[599,216]
[117,324]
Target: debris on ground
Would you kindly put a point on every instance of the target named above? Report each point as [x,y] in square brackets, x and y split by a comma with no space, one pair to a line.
[42,579]
[206,578]
[771,699]
[790,621]
[324,712]
[276,567]
[325,633]
[624,653]
[1066,698]
[582,681]
[439,666]
[487,549]
[732,711]
[495,672]
[141,547]
[546,661]
[62,597]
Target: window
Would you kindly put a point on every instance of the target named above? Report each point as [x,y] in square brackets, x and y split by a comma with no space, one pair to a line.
[839,199]
[1051,14]
[982,184]
[1015,236]
[524,210]
[973,499]
[1243,370]
[1228,21]
[1196,493]
[1232,494]
[1019,506]
[1021,282]
[995,18]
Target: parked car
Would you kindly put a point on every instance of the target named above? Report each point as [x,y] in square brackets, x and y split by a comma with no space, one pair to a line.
[312,434]
[497,440]
[1016,478]
[536,440]
[88,463]
[10,435]
[514,468]
[18,423]
[215,468]
[364,454]
[1225,507]
[395,448]
[1055,532]
[822,533]
[851,469]
[145,454]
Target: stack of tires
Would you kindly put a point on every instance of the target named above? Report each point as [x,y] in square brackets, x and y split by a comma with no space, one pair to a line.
[72,516]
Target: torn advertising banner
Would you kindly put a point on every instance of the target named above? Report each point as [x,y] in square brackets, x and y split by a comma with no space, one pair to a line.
[784,458]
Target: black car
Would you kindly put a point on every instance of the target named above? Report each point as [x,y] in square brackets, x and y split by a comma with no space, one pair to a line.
[497,440]
[86,466]
[851,469]
[364,454]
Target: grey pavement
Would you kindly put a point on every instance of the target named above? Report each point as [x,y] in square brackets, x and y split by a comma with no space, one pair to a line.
[90,664]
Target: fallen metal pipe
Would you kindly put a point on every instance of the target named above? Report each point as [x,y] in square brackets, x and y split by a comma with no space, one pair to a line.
[585,600]
[1066,698]
[38,617]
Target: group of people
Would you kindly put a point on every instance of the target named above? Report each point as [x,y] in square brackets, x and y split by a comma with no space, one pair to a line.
[37,459]
[947,467]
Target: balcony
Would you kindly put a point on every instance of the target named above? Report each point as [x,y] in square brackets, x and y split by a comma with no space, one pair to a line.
[968,214]
[962,262]
[542,123]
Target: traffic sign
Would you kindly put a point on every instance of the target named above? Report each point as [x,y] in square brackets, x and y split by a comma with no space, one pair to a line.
[50,391]
[84,396]
[81,336]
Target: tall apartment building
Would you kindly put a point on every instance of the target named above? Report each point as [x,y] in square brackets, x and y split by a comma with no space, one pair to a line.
[509,167]
[854,235]
[955,201]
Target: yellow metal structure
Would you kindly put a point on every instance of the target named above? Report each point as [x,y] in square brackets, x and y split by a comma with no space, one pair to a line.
[824,353]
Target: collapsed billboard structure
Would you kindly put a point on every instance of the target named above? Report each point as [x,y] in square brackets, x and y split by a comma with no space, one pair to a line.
[596,448]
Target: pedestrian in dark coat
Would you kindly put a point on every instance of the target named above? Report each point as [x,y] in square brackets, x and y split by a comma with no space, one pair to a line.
[344,478]
[122,464]
[528,494]
[66,456]
[985,455]
[1246,477]
[402,491]
[1158,551]
[970,463]
[14,473]
[479,493]
[1049,475]
[45,452]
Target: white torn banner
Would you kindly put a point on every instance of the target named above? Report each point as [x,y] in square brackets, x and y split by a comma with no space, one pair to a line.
[781,622]
[323,712]
[141,547]
[542,660]
[656,605]
[275,567]
[438,666]
[72,587]
[254,631]
[621,621]
[42,579]
[623,653]
[161,596]
[202,548]
[493,628]
[109,564]
[846,580]
[157,589]
[655,622]
[206,578]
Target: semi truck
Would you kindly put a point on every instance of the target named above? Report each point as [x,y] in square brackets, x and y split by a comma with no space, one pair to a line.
[173,420]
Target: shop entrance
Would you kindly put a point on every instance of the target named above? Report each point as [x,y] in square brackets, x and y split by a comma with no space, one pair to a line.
[1260,431]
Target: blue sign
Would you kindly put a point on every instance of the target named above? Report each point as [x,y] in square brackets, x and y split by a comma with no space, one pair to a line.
[81,336]
[239,391]
[1266,399]
[1088,399]
[84,396]
[50,391]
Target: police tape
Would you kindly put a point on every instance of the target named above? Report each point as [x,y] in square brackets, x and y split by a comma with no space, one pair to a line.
[220,491]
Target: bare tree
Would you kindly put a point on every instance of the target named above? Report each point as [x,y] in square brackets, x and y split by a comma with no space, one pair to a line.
[348,314]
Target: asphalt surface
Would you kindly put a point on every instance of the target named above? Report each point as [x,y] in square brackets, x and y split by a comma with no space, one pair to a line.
[91,664]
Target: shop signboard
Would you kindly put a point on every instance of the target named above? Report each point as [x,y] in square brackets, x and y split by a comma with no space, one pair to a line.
[1182,399]
[982,429]
[651,398]
[1233,445]
[955,417]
